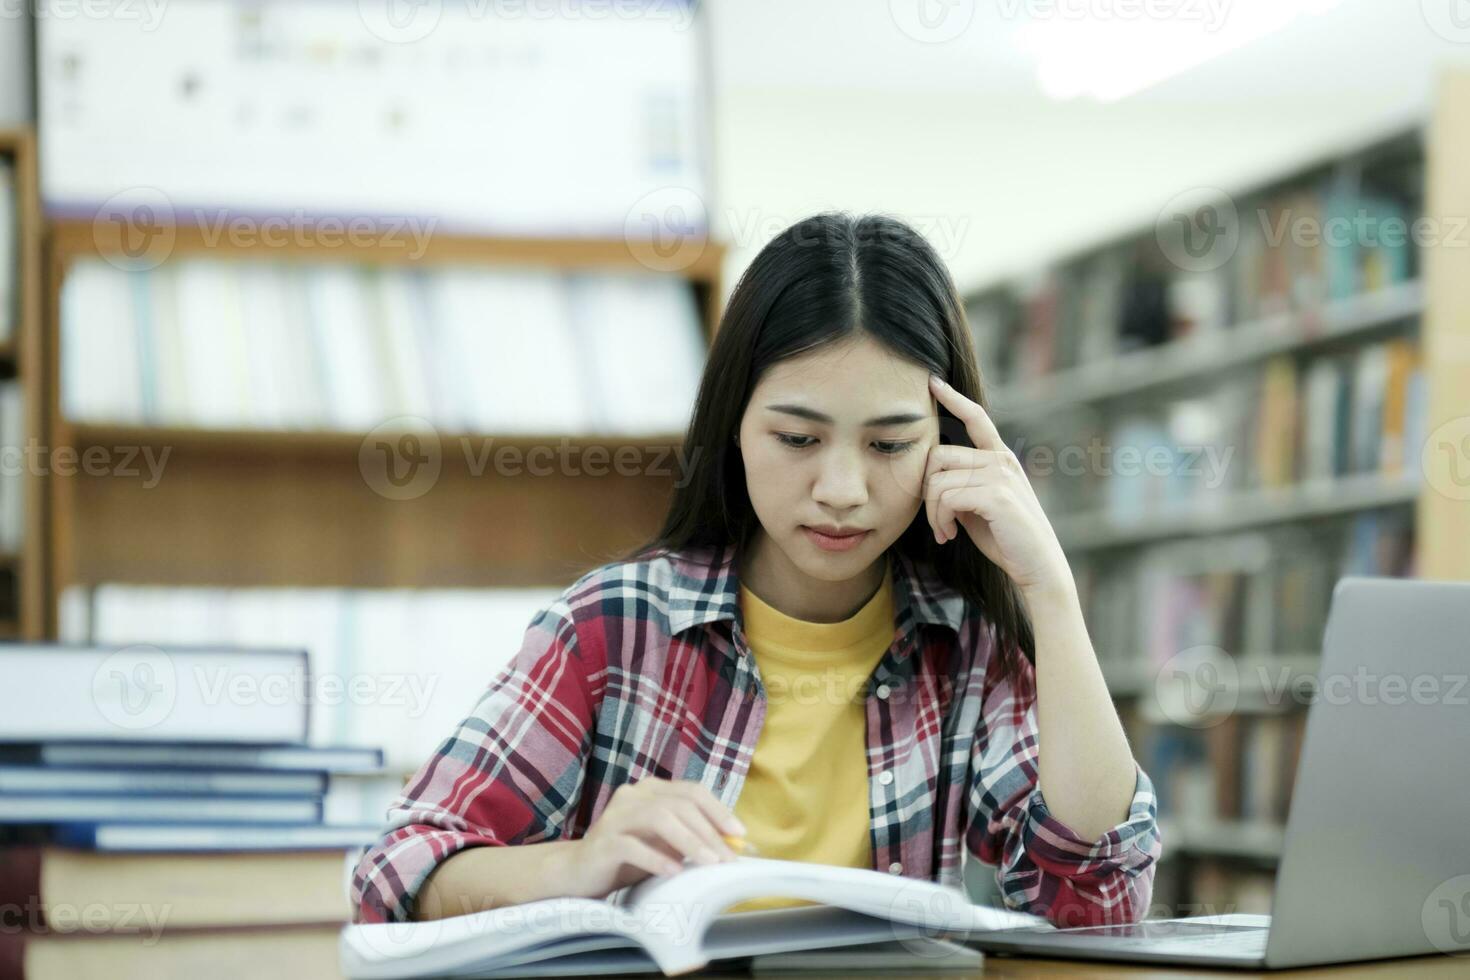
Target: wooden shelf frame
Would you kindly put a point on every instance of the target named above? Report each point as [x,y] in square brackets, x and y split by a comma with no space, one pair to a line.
[25,354]
[255,507]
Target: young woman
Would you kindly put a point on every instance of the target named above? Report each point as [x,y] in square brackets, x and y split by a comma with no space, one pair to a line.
[855,640]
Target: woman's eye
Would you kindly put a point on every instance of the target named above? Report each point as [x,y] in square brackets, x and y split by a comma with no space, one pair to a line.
[886,448]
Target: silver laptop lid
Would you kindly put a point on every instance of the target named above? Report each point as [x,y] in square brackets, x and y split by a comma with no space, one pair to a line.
[1376,861]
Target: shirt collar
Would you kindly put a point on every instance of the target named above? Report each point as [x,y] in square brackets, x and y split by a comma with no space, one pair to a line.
[706,588]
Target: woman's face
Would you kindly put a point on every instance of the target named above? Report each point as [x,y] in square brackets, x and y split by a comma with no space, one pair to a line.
[838,437]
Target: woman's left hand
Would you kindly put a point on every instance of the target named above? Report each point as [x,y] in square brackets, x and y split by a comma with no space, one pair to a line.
[985,491]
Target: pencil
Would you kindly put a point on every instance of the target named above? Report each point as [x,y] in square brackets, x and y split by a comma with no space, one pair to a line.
[740,845]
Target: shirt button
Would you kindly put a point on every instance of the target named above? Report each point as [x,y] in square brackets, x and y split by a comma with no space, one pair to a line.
[885,777]
[883,691]
[895,868]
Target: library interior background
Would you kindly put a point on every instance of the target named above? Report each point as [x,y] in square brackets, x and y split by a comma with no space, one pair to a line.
[366,328]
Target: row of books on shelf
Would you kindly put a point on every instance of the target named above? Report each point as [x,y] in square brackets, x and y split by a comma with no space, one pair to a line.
[1292,422]
[148,822]
[1213,268]
[399,668]
[1250,596]
[1217,887]
[9,251]
[336,346]
[1238,771]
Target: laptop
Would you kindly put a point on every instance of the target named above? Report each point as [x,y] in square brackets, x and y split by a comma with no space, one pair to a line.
[1376,858]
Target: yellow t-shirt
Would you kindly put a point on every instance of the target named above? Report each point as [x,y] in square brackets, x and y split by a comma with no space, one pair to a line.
[806,795]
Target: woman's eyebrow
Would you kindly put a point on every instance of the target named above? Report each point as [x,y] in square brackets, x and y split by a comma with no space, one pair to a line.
[801,411]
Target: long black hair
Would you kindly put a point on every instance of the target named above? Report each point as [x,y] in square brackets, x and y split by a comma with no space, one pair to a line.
[829,278]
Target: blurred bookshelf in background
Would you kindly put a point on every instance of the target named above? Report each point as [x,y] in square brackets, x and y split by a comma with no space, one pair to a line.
[531,273]
[1223,414]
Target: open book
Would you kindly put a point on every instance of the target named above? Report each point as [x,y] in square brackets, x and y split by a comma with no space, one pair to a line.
[677,924]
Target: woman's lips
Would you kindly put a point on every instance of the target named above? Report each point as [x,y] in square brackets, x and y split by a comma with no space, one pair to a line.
[828,542]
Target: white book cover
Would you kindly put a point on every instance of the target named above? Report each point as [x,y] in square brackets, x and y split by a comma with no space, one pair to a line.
[340,319]
[642,334]
[675,924]
[534,359]
[120,348]
[401,315]
[478,315]
[170,381]
[74,614]
[213,343]
[97,328]
[148,692]
[455,314]
[303,373]
[265,314]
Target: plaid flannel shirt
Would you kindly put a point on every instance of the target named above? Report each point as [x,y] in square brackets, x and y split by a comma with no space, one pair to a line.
[642,669]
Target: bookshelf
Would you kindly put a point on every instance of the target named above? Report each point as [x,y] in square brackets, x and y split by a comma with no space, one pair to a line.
[257,507]
[1119,345]
[22,575]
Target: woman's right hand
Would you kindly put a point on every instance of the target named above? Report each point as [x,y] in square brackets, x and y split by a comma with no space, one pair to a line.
[648,828]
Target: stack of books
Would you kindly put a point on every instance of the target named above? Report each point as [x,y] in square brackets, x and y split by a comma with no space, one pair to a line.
[161,813]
